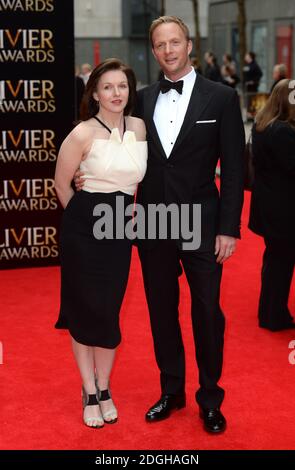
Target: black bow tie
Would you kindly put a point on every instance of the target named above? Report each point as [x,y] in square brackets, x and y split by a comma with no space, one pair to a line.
[166,85]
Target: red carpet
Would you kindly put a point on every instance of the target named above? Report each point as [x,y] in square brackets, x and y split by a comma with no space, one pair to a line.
[40,392]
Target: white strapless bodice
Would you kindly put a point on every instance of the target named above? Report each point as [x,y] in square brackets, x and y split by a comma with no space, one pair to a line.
[114,164]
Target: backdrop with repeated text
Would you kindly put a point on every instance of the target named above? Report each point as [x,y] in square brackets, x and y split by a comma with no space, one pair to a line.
[37,101]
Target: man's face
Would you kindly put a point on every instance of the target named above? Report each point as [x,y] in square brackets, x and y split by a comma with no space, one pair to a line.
[248,59]
[276,73]
[171,49]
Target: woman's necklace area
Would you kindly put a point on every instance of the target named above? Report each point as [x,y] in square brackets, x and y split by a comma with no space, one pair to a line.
[102,122]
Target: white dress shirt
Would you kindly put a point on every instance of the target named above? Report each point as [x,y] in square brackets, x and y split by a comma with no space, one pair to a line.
[170,111]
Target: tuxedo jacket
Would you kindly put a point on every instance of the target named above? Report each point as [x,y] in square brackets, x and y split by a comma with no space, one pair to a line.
[212,129]
[272,209]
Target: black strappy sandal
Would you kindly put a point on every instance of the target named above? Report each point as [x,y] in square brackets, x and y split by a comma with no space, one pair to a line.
[90,400]
[104,395]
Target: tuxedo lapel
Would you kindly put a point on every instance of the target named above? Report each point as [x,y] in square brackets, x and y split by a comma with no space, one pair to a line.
[149,106]
[201,95]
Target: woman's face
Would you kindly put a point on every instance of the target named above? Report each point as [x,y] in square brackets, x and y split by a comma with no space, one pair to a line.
[112,91]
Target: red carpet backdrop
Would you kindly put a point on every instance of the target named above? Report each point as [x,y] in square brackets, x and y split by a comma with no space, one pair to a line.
[36,112]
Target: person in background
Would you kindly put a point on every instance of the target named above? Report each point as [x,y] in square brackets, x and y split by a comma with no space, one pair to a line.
[252,73]
[272,209]
[227,61]
[110,148]
[196,64]
[85,72]
[206,58]
[212,70]
[279,73]
[229,77]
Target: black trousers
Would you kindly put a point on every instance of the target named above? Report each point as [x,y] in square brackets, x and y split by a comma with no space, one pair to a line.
[276,277]
[161,269]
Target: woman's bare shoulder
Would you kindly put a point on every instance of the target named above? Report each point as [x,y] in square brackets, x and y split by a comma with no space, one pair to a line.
[138,126]
[82,132]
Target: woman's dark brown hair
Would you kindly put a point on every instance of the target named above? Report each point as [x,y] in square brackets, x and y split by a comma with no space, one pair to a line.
[278,107]
[90,107]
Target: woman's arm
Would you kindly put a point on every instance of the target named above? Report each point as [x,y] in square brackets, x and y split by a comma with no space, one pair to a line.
[69,158]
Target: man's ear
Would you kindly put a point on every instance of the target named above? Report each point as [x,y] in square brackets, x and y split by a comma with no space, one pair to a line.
[190,47]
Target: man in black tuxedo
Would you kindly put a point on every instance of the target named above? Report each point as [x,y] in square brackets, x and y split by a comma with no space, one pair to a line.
[190,125]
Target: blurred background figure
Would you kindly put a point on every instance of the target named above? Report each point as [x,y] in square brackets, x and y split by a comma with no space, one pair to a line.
[196,64]
[272,210]
[279,73]
[86,70]
[229,76]
[227,61]
[212,70]
[252,73]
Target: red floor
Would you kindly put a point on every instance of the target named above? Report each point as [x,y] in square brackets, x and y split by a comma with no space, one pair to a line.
[40,392]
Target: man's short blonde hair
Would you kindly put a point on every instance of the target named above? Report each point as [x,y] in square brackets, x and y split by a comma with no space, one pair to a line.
[168,19]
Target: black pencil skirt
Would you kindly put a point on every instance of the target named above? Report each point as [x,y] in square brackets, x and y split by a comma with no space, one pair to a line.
[94,273]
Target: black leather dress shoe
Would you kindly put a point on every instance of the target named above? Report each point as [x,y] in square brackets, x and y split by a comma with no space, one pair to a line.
[214,421]
[163,407]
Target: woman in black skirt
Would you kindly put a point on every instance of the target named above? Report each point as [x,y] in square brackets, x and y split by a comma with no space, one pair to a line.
[109,146]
